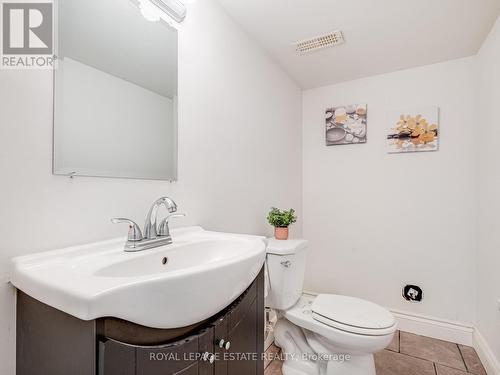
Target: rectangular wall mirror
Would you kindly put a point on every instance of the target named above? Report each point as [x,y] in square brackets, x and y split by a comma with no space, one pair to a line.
[115,92]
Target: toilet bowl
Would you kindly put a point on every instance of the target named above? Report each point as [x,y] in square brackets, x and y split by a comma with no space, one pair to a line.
[322,334]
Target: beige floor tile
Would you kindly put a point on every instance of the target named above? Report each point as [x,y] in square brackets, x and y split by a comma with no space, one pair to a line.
[274,368]
[271,354]
[443,370]
[394,345]
[472,361]
[442,352]
[416,358]
[391,363]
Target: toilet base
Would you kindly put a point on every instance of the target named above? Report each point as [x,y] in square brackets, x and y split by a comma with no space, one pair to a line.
[302,359]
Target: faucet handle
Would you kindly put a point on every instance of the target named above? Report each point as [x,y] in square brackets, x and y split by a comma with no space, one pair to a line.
[134,232]
[163,229]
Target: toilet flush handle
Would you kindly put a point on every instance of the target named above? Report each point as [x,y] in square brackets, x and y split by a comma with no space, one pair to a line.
[286,263]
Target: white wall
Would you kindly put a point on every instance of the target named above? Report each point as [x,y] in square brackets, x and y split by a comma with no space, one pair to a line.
[93,133]
[377,221]
[239,152]
[488,255]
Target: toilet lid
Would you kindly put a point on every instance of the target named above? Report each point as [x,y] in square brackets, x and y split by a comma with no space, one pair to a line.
[352,314]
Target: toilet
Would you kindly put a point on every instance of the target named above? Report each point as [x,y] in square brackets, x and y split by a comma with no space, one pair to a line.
[322,334]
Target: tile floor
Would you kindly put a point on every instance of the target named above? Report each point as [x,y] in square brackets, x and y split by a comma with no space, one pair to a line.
[410,354]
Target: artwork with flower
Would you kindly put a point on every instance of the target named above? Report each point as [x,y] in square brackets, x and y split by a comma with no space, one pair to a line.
[413,130]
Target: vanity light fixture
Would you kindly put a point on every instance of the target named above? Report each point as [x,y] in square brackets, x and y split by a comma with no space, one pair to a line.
[168,10]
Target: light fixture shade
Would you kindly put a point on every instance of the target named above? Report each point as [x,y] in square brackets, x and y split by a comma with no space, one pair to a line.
[173,8]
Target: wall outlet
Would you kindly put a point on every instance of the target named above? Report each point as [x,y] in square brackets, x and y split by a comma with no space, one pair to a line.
[498,304]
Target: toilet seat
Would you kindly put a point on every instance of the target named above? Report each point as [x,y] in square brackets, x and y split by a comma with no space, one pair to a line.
[302,314]
[352,314]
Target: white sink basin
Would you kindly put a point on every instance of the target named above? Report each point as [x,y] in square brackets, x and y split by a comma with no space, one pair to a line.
[168,287]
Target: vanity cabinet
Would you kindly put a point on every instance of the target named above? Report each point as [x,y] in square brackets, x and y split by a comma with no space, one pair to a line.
[230,343]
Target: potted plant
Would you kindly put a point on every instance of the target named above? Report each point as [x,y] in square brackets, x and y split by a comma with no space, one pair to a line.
[281,220]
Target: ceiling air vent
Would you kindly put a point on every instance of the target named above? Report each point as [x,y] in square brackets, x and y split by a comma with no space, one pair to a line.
[328,40]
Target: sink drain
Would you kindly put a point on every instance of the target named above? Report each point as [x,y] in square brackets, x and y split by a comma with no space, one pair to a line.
[164,261]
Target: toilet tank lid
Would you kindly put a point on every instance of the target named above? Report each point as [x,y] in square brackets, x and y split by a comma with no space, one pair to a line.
[285,247]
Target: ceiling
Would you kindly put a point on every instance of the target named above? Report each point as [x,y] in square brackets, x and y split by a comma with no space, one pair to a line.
[114,37]
[381,35]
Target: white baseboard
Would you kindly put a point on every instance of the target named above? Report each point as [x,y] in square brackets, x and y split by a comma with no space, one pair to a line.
[490,362]
[459,333]
[456,332]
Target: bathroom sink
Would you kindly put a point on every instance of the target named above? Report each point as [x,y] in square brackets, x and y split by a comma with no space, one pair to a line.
[169,260]
[171,286]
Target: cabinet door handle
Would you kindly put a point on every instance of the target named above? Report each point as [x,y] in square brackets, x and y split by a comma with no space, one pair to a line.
[208,357]
[223,344]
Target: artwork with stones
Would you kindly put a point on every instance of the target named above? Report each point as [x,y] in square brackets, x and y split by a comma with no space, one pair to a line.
[346,124]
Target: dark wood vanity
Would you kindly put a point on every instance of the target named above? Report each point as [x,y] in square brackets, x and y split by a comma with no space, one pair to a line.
[51,342]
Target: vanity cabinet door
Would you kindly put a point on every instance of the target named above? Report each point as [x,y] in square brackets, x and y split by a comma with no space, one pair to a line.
[235,343]
[244,356]
[183,357]
[167,359]
[116,358]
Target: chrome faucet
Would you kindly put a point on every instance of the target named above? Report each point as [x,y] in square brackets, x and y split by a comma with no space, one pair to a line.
[150,227]
[154,235]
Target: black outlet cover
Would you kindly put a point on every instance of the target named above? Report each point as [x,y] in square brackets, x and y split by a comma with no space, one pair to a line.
[413,293]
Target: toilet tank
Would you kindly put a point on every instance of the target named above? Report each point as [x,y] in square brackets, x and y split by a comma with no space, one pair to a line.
[285,266]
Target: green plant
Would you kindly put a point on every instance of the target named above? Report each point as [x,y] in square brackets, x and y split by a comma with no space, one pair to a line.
[281,219]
